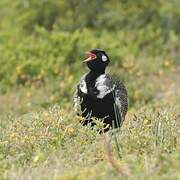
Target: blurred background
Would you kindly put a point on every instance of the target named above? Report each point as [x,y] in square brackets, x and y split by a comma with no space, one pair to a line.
[42,44]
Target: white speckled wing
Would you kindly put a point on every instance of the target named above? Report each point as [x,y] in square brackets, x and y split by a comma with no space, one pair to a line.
[76,103]
[121,103]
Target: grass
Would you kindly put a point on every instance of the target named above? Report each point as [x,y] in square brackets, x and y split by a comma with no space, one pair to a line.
[41,47]
[53,144]
[40,140]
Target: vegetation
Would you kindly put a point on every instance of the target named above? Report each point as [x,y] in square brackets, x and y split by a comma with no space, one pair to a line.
[41,46]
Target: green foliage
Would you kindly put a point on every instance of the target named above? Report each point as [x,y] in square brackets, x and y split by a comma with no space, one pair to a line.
[42,45]
[56,54]
[112,15]
[48,38]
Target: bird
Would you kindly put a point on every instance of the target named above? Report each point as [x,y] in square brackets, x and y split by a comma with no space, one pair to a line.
[100,95]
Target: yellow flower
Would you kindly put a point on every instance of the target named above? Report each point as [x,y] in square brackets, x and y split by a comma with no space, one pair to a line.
[167,63]
[38,158]
[18,70]
[46,114]
[39,76]
[28,94]
[128,63]
[52,98]
[147,121]
[69,130]
[13,136]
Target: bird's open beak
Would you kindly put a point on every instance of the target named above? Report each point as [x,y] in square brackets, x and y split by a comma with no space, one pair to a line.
[89,56]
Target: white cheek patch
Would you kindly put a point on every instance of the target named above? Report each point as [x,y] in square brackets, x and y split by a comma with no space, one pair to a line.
[104,58]
[83,87]
[102,87]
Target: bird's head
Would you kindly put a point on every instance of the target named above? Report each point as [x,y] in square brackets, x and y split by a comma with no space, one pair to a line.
[97,60]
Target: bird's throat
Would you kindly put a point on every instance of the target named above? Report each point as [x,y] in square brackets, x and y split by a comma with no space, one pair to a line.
[91,78]
[93,75]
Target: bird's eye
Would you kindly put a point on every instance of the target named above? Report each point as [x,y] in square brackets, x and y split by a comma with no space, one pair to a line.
[104,58]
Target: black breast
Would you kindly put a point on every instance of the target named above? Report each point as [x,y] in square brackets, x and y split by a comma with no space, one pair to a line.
[92,106]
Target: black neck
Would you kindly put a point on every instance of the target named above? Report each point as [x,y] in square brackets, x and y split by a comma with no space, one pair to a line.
[91,78]
[96,73]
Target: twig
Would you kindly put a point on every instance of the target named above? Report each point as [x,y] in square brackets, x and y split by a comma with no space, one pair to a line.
[121,170]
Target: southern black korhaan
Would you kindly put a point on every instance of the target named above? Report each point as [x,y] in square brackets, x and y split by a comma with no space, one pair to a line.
[99,94]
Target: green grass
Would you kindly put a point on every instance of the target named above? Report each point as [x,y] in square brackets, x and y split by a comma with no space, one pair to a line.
[53,144]
[41,46]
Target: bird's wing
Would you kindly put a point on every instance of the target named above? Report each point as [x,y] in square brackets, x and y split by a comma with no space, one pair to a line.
[77,102]
[120,98]
[77,99]
[121,103]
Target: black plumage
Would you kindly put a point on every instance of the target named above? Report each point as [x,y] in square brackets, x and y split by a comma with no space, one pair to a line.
[99,94]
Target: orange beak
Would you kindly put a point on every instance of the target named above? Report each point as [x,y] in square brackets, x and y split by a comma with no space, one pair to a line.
[90,56]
